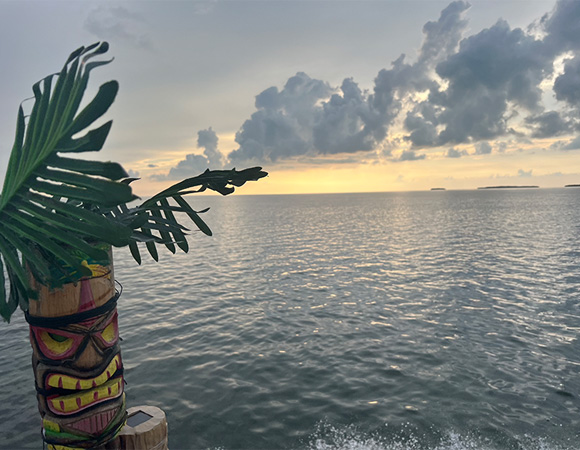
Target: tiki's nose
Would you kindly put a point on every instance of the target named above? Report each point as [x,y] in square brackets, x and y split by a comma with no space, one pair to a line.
[89,358]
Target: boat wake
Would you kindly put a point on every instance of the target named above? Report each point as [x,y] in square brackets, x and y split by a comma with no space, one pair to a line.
[329,437]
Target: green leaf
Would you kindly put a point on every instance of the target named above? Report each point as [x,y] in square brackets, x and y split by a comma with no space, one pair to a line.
[178,235]
[217,180]
[27,227]
[135,252]
[164,233]
[96,108]
[150,244]
[5,311]
[52,207]
[105,198]
[193,215]
[16,291]
[110,170]
[28,253]
[115,192]
[12,262]
[91,142]
[95,225]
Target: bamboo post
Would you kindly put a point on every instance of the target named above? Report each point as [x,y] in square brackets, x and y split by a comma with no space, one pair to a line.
[77,362]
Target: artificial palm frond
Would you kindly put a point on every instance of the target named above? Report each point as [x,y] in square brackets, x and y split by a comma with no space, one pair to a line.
[154,222]
[37,228]
[54,208]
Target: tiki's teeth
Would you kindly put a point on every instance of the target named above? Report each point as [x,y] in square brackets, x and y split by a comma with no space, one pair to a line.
[74,383]
[72,403]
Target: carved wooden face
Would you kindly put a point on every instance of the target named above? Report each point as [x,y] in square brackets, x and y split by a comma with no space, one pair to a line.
[79,375]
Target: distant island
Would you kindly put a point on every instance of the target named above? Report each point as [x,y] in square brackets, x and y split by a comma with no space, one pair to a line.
[437,189]
[509,187]
[572,185]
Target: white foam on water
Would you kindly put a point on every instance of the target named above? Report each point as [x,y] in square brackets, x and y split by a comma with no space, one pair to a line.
[329,437]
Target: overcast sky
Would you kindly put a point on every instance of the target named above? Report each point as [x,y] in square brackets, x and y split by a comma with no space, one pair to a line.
[327,96]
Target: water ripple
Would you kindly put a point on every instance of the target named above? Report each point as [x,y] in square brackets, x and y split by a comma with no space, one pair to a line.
[444,320]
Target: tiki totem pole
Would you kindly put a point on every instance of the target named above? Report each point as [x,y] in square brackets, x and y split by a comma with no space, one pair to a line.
[77,362]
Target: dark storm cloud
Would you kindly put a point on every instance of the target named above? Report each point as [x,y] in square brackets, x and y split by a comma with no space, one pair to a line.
[459,90]
[194,164]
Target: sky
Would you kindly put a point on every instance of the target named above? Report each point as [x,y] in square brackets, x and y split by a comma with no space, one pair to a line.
[327,96]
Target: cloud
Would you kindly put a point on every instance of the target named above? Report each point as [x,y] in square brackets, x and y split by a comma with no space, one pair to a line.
[283,124]
[492,75]
[524,173]
[194,164]
[454,153]
[459,90]
[567,85]
[203,7]
[208,140]
[117,22]
[347,123]
[574,144]
[309,117]
[547,124]
[422,123]
[493,68]
[410,155]
[442,37]
[482,148]
[562,27]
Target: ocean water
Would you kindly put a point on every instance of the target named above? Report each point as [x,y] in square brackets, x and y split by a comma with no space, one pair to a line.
[444,320]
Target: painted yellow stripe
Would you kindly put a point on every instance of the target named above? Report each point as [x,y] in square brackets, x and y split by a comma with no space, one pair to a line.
[72,383]
[74,402]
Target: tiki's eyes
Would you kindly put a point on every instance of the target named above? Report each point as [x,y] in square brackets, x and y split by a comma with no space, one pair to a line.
[55,344]
[58,337]
[109,334]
